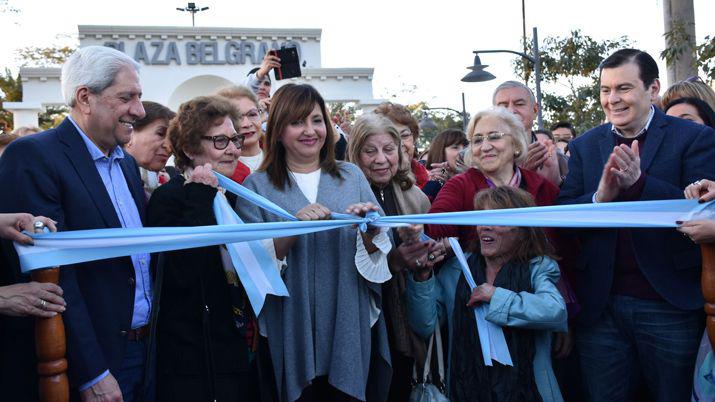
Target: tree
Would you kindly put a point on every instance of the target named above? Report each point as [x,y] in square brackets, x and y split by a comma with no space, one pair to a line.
[44,56]
[681,44]
[443,119]
[11,92]
[570,79]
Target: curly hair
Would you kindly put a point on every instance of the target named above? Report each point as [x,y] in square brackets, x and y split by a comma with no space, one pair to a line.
[367,125]
[194,120]
[400,115]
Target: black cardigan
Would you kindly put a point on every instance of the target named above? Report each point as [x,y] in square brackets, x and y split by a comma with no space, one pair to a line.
[196,311]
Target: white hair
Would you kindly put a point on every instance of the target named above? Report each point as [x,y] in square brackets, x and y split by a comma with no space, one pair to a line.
[520,137]
[510,85]
[94,67]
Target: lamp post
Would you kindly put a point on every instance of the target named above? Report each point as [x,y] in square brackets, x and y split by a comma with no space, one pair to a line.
[426,122]
[478,74]
[191,8]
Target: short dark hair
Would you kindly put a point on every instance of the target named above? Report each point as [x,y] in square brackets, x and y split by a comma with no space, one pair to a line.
[564,124]
[704,110]
[154,111]
[648,68]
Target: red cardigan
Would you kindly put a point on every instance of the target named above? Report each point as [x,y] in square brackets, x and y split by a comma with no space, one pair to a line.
[421,174]
[458,195]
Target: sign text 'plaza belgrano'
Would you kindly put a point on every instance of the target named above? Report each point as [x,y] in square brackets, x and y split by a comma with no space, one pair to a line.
[179,63]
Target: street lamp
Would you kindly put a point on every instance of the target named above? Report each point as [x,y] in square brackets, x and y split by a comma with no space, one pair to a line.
[426,122]
[191,7]
[478,74]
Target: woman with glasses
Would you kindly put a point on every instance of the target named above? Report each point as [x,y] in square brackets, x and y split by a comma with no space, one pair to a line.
[498,144]
[249,126]
[329,336]
[206,335]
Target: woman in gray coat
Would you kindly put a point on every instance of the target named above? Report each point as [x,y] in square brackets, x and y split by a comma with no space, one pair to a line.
[328,339]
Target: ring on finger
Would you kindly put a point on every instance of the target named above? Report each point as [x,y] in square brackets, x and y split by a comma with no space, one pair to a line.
[38,225]
[431,257]
[43,304]
[696,183]
[418,263]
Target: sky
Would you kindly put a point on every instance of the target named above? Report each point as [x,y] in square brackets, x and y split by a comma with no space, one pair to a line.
[419,49]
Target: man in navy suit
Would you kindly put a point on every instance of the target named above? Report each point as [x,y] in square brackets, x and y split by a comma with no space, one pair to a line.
[78,175]
[639,289]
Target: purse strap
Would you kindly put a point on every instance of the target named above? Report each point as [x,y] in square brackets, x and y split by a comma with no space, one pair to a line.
[428,361]
[440,353]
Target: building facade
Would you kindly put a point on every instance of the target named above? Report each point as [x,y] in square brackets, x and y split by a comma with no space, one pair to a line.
[179,63]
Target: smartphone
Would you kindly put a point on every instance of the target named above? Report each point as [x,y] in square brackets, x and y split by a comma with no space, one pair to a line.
[290,63]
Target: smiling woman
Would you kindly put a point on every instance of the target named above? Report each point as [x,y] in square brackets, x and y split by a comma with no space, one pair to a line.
[149,145]
[328,338]
[517,279]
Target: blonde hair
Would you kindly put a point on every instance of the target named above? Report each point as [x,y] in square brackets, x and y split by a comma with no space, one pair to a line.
[688,89]
[520,138]
[238,92]
[373,123]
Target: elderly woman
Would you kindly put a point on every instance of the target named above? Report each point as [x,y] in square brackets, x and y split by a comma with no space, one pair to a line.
[442,159]
[375,147]
[498,145]
[246,103]
[205,333]
[150,146]
[329,336]
[517,281]
[409,132]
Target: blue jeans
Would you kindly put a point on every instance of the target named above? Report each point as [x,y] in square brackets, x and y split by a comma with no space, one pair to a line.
[131,375]
[636,339]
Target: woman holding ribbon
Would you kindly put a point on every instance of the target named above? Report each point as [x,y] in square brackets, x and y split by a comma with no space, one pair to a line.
[150,145]
[206,335]
[516,279]
[328,339]
[375,147]
[498,144]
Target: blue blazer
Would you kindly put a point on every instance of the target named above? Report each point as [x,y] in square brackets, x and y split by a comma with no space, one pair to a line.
[52,174]
[676,152]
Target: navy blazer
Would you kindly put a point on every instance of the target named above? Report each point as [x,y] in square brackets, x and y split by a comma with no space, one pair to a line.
[52,174]
[676,153]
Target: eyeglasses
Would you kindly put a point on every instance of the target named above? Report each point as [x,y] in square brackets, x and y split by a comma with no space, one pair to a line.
[479,138]
[253,115]
[221,141]
[405,134]
[693,78]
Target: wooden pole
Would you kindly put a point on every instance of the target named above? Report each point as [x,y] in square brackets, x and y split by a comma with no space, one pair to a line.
[708,284]
[51,348]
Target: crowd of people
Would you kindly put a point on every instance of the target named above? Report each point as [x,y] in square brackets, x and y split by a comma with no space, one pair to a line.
[587,314]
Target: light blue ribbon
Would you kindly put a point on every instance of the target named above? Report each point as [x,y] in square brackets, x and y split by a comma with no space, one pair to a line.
[255,269]
[491,336]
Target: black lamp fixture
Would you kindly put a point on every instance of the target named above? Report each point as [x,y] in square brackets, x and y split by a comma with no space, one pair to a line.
[426,122]
[191,8]
[478,74]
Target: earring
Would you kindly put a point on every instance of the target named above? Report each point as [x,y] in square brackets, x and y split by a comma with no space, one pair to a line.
[517,153]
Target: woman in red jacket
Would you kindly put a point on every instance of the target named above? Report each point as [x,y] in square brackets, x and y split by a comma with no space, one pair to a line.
[498,145]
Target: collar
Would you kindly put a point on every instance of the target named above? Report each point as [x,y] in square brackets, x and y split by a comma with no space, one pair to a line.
[94,151]
[615,131]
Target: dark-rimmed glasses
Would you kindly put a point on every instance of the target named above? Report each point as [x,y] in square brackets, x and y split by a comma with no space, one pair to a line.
[221,141]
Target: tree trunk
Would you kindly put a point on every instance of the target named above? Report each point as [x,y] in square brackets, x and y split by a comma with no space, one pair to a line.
[676,14]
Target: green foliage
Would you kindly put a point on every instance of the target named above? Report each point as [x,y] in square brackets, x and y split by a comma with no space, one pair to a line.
[679,42]
[44,56]
[442,118]
[570,81]
[52,116]
[12,91]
